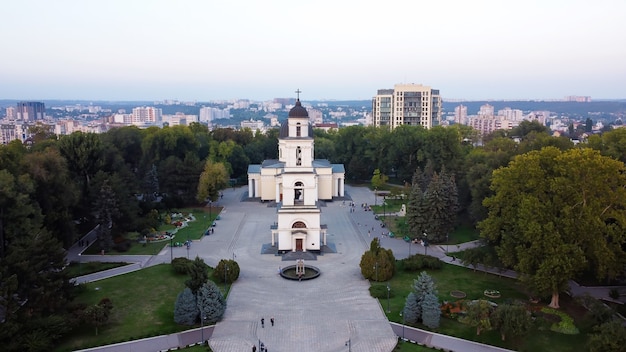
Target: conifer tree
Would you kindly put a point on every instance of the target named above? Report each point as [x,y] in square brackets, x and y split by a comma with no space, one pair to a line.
[211,303]
[186,308]
[431,312]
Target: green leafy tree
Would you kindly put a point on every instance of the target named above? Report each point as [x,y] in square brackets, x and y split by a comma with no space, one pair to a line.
[211,303]
[151,184]
[96,316]
[512,320]
[186,309]
[199,275]
[478,315]
[232,271]
[379,180]
[608,337]
[213,179]
[556,213]
[377,264]
[83,152]
[431,311]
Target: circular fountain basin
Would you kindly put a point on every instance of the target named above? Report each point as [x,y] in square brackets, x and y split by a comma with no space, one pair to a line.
[310,272]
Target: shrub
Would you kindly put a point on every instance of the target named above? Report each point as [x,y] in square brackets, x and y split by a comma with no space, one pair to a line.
[419,262]
[185,309]
[380,291]
[181,265]
[614,293]
[565,326]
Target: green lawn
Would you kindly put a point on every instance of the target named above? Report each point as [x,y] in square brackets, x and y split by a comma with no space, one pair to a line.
[453,277]
[193,231]
[143,306]
[76,269]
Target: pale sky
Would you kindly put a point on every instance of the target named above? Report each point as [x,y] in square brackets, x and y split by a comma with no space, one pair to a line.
[330,49]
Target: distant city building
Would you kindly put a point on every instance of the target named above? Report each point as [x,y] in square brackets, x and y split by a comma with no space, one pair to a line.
[511,114]
[326,126]
[146,115]
[487,124]
[460,114]
[31,111]
[209,114]
[252,124]
[315,116]
[179,119]
[578,98]
[11,112]
[407,104]
[486,110]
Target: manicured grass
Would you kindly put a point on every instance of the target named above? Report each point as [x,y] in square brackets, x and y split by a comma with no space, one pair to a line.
[76,269]
[143,306]
[405,346]
[452,277]
[193,231]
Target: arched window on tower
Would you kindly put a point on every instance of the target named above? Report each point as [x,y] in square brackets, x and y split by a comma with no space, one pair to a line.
[298,130]
[298,193]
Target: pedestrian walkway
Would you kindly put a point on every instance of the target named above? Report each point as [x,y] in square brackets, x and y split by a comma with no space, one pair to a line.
[323,314]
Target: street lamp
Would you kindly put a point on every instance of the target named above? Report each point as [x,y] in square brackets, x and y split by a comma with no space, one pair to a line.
[384,211]
[375,196]
[171,249]
[234,256]
[425,241]
[376,268]
[388,290]
[226,268]
[403,322]
[349,344]
[210,213]
[202,326]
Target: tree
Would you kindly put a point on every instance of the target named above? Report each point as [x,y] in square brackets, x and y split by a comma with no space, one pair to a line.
[83,152]
[379,179]
[416,211]
[608,337]
[105,208]
[555,213]
[423,286]
[151,184]
[211,303]
[232,271]
[199,275]
[97,315]
[411,309]
[213,179]
[431,311]
[478,313]
[186,309]
[377,264]
[512,320]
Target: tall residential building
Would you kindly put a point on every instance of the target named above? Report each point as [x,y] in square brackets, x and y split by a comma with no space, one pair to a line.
[460,115]
[486,110]
[146,115]
[407,104]
[31,111]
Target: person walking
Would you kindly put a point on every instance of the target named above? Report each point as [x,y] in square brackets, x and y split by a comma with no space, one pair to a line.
[262,322]
[272,321]
[253,348]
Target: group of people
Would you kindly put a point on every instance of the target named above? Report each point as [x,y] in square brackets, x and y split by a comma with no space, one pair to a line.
[262,347]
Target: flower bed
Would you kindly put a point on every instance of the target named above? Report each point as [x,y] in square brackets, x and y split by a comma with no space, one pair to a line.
[458,294]
[492,293]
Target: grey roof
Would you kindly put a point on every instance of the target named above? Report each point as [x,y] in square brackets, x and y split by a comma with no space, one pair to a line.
[272,163]
[338,168]
[254,169]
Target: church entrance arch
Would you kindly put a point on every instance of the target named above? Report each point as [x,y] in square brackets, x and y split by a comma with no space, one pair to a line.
[299,235]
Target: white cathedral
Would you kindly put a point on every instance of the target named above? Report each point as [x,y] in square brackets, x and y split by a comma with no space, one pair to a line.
[296,182]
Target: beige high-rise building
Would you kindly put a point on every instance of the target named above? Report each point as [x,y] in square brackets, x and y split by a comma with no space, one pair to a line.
[407,104]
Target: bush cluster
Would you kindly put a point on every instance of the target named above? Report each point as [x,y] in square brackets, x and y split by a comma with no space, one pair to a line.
[565,326]
[420,262]
[181,265]
[380,291]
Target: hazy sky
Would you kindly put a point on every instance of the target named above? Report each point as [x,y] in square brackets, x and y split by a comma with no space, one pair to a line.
[330,49]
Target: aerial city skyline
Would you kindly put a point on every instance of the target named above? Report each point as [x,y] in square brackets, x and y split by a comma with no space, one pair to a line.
[200,51]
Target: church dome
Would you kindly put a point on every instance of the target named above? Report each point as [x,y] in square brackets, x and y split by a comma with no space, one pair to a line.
[298,110]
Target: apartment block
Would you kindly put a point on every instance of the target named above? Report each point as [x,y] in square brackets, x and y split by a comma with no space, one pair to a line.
[407,104]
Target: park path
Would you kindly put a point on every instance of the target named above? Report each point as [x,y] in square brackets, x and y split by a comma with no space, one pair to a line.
[239,235]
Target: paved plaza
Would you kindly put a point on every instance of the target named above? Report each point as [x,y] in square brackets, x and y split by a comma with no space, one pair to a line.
[317,315]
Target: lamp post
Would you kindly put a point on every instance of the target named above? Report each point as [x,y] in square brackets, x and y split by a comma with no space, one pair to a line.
[403,323]
[226,268]
[410,240]
[388,291]
[349,344]
[376,268]
[202,317]
[375,196]
[210,213]
[171,249]
[384,211]
[425,241]
[446,243]
[234,256]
